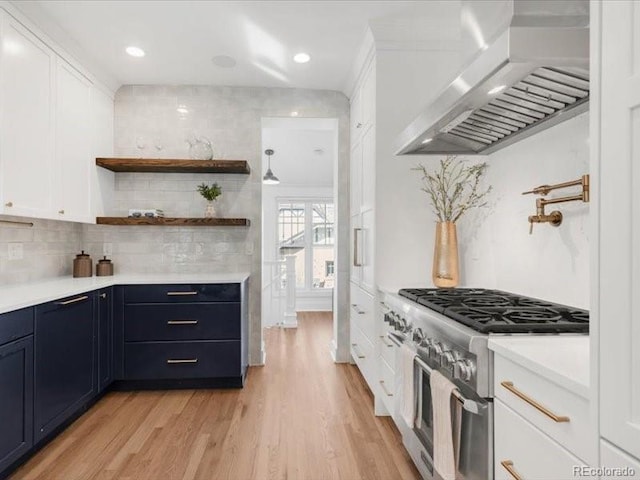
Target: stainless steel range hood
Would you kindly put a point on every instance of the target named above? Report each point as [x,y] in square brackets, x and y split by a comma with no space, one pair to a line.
[531,77]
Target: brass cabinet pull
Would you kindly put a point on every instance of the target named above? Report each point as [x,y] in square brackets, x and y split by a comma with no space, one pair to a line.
[384,389]
[359,355]
[181,293]
[357,309]
[508,466]
[384,340]
[8,204]
[182,322]
[177,361]
[74,300]
[556,418]
[61,212]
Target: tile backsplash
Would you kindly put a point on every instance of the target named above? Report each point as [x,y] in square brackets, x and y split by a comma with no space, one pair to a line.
[48,249]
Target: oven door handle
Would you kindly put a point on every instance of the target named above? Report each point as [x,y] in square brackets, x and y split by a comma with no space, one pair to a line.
[469,405]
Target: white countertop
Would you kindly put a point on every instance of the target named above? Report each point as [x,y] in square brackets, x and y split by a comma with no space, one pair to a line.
[29,294]
[563,359]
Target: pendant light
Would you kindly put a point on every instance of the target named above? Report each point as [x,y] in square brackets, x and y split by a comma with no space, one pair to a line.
[269,178]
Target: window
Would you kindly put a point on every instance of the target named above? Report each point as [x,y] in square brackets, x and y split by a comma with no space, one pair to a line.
[314,251]
[328,268]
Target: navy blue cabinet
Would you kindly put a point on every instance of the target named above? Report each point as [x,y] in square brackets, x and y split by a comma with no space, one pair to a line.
[65,357]
[104,311]
[16,398]
[184,332]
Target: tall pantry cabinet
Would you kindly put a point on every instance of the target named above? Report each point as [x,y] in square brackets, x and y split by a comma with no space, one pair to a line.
[362,187]
[616,160]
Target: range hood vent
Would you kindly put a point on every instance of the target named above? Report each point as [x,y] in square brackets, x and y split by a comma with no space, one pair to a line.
[535,75]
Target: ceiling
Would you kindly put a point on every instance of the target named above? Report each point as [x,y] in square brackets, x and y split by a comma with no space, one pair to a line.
[180,38]
[304,151]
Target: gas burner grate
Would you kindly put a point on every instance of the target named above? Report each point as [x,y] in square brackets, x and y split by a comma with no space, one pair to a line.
[495,311]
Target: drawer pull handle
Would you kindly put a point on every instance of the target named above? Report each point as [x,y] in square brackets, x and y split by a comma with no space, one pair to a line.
[8,204]
[556,418]
[384,389]
[384,340]
[178,361]
[359,355]
[103,295]
[182,322]
[357,309]
[174,294]
[508,466]
[74,300]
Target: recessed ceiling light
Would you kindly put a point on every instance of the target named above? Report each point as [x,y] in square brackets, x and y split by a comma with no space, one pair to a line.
[497,89]
[224,61]
[135,51]
[301,57]
[426,140]
[294,114]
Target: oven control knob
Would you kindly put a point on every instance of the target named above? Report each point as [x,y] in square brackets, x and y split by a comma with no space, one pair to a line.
[463,369]
[401,324]
[418,335]
[447,359]
[435,350]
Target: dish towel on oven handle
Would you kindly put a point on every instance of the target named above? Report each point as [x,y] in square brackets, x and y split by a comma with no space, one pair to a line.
[408,404]
[444,458]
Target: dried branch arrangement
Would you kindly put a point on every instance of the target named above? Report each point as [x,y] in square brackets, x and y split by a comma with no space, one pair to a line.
[454,188]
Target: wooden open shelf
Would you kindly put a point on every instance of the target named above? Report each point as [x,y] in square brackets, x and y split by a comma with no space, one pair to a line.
[166,165]
[175,222]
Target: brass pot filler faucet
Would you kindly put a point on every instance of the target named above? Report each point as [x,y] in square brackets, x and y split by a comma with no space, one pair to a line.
[555,217]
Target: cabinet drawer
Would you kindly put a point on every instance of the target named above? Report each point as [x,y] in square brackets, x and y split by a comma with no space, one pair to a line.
[182,293]
[362,351]
[176,360]
[192,321]
[387,385]
[14,325]
[527,451]
[388,351]
[363,312]
[576,434]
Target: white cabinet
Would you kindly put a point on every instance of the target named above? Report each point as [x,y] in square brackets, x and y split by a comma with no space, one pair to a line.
[53,123]
[27,69]
[102,180]
[620,465]
[73,144]
[523,451]
[618,209]
[362,187]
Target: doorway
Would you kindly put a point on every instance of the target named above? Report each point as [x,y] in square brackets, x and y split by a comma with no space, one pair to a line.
[299,221]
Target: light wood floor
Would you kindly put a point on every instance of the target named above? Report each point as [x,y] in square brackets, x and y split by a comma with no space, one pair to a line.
[299,417]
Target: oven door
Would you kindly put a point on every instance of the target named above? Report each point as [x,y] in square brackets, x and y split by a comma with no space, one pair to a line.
[472,426]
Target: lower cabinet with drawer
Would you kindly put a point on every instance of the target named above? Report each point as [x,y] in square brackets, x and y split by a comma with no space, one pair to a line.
[174,334]
[65,355]
[16,386]
[542,430]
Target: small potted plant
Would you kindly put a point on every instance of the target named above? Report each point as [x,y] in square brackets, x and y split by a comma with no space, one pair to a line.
[210,193]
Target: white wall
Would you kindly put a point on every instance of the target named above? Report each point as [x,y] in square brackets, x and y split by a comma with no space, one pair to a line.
[496,248]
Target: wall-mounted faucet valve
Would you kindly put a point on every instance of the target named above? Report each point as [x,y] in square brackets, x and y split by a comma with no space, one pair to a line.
[555,217]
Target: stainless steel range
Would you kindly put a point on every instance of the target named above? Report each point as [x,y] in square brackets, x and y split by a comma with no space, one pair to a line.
[449,330]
